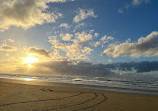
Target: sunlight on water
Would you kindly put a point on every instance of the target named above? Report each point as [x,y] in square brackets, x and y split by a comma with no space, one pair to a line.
[28,79]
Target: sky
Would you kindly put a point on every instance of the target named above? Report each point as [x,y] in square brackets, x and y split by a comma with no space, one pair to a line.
[94,37]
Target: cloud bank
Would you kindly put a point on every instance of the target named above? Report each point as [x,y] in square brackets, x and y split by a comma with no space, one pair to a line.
[139,67]
[65,67]
[145,46]
[81,68]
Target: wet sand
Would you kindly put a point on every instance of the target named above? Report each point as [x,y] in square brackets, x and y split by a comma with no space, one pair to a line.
[22,97]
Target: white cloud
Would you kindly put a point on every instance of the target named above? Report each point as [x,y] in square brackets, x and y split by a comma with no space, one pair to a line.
[66,37]
[138,2]
[87,50]
[91,31]
[26,13]
[132,4]
[96,34]
[145,46]
[80,25]
[83,37]
[64,25]
[106,39]
[60,46]
[75,46]
[10,41]
[58,0]
[83,14]
[120,10]
[78,45]
[56,55]
[53,39]
[97,44]
[73,50]
[103,38]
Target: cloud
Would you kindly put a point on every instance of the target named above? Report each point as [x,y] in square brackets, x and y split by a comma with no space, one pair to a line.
[138,2]
[58,0]
[26,13]
[83,14]
[120,11]
[64,25]
[43,55]
[87,50]
[83,37]
[55,55]
[79,25]
[66,67]
[106,39]
[60,46]
[53,66]
[7,48]
[66,37]
[139,67]
[131,4]
[145,46]
[74,45]
[96,35]
[79,45]
[95,44]
[102,41]
[39,52]
[9,41]
[80,69]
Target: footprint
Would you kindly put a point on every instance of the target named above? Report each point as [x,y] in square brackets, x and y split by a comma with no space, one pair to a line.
[47,90]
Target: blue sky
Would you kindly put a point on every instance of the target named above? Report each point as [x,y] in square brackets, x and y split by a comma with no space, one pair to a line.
[96,31]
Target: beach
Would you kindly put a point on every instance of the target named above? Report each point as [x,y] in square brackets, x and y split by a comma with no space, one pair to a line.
[31,97]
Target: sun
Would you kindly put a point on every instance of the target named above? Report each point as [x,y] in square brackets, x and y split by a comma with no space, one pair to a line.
[30,60]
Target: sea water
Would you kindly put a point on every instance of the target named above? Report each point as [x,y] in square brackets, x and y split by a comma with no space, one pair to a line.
[141,85]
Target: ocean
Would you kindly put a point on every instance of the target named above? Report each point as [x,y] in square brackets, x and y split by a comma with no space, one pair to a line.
[130,85]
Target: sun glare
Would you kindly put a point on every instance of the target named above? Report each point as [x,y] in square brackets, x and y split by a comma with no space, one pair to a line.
[30,60]
[28,79]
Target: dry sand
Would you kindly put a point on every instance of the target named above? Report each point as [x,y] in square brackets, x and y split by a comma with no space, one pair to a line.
[21,97]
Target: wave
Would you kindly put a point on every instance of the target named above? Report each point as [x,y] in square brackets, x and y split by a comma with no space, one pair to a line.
[114,83]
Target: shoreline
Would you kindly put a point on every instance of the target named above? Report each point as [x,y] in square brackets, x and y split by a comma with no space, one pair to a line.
[58,97]
[83,86]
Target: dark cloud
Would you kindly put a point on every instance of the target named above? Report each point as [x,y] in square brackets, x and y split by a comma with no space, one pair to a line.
[139,67]
[40,52]
[90,69]
[73,68]
[82,68]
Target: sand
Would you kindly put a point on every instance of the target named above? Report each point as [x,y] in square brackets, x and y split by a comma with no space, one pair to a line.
[22,97]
